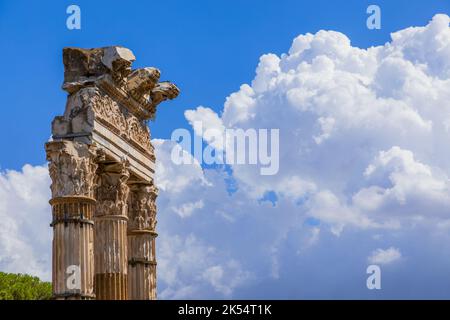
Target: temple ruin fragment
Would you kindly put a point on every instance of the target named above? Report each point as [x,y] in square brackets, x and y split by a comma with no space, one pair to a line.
[102,166]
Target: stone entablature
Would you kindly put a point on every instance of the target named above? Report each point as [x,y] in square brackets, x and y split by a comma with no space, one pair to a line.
[109,104]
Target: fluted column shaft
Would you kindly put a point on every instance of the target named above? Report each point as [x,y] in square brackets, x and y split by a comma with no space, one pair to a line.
[111,232]
[72,169]
[141,242]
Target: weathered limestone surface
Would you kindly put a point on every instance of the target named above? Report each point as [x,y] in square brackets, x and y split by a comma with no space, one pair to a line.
[111,231]
[72,169]
[102,164]
[141,241]
[109,104]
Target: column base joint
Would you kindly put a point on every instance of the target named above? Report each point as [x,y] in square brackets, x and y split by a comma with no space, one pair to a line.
[135,261]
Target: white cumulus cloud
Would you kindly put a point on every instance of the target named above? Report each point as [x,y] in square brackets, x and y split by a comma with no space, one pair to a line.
[388,256]
[361,130]
[25,216]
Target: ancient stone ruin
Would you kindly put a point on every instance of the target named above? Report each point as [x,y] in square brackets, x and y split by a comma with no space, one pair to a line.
[102,165]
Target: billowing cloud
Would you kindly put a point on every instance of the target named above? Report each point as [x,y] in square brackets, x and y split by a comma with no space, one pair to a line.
[190,269]
[363,148]
[25,216]
[361,130]
[384,257]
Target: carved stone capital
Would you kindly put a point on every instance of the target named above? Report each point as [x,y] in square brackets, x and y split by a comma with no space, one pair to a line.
[111,189]
[142,207]
[72,168]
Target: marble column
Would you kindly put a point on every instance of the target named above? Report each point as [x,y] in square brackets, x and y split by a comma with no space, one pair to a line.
[111,231]
[72,170]
[141,241]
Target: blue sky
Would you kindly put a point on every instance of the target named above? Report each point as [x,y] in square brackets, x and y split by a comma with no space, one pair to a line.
[364,160]
[208,48]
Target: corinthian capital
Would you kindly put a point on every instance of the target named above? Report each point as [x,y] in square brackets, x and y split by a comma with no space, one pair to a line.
[71,167]
[142,207]
[112,189]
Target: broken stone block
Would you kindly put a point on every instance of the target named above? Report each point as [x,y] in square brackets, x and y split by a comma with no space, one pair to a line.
[118,60]
[82,64]
[60,127]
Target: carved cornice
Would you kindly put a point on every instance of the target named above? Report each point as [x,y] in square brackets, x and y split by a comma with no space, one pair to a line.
[92,104]
[110,69]
[110,103]
[124,124]
[140,108]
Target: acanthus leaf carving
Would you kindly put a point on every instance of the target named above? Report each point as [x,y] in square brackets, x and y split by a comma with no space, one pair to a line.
[142,207]
[71,167]
[116,118]
[111,190]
